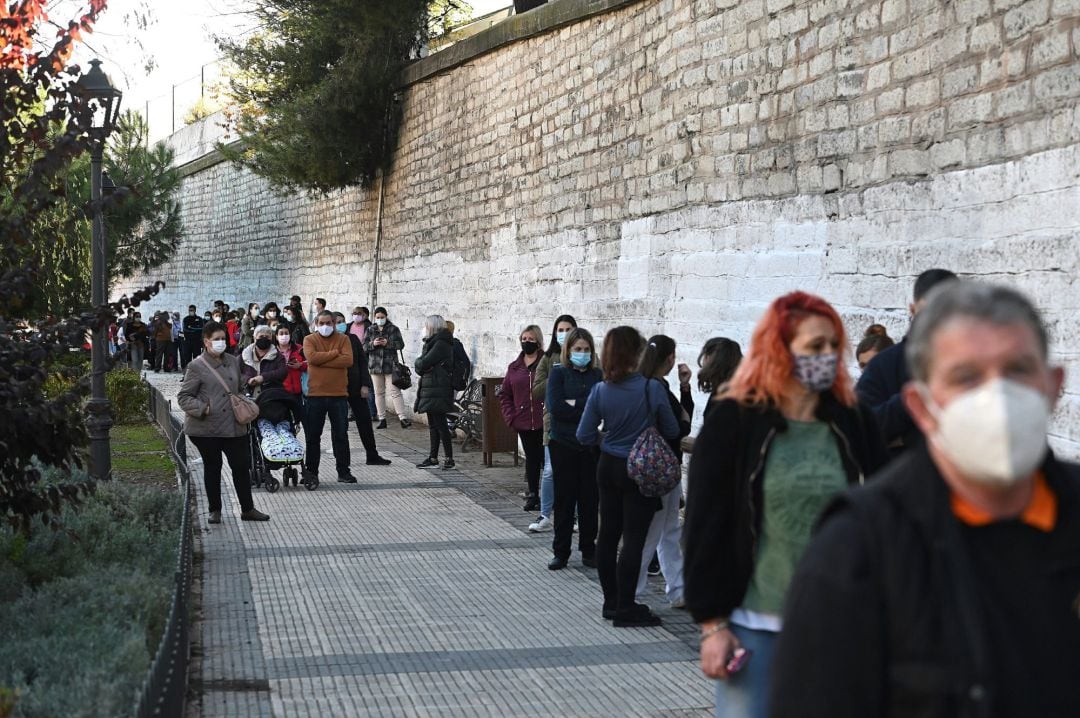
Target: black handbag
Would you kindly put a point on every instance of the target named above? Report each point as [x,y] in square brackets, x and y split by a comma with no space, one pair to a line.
[401,377]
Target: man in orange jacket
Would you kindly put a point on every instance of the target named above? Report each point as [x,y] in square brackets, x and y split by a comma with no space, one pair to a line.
[329,356]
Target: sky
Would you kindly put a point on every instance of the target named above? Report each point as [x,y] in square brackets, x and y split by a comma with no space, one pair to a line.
[179,41]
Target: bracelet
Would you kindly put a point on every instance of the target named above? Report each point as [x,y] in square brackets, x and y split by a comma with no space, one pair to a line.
[720,626]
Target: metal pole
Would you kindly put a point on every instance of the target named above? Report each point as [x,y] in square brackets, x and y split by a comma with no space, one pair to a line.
[99,418]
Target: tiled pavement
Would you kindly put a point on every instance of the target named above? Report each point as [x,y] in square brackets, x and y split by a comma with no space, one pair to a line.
[417,593]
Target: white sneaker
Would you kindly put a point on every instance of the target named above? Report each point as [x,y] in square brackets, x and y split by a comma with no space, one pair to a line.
[541,524]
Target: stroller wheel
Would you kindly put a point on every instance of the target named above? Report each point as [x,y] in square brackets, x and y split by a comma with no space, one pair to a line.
[312,483]
[272,484]
[290,474]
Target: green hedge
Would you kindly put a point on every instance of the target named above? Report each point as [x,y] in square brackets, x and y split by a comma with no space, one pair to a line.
[128,394]
[82,609]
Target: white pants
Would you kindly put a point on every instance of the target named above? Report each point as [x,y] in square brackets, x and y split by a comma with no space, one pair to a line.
[663,538]
[383,382]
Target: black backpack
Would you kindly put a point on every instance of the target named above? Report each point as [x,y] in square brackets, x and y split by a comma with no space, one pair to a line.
[462,369]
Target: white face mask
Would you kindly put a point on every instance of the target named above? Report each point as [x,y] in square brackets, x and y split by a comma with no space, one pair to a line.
[325,330]
[381,321]
[283,339]
[994,433]
[218,346]
[357,318]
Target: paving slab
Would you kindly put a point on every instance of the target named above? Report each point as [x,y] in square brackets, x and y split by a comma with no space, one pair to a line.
[417,593]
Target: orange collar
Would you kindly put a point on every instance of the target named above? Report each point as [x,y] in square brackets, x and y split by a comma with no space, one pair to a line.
[1040,513]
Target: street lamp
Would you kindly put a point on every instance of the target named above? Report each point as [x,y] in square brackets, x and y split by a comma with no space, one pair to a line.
[96,89]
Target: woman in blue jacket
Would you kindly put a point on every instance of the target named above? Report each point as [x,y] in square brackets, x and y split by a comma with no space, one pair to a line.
[573,465]
[627,403]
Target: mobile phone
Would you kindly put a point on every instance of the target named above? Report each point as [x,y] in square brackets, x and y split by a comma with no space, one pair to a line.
[738,659]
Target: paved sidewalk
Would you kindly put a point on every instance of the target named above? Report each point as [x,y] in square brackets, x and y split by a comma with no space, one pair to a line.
[417,593]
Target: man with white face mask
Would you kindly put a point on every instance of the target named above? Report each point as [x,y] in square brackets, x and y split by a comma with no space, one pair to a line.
[329,356]
[950,585]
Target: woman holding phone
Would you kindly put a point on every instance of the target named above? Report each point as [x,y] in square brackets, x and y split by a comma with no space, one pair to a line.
[785,437]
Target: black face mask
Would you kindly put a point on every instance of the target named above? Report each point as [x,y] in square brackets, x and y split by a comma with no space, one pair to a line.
[530,348]
[263,343]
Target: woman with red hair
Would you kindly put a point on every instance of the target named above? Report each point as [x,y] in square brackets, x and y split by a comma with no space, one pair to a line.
[785,436]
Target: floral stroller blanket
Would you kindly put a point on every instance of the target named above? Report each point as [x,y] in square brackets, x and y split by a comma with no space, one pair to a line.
[278,443]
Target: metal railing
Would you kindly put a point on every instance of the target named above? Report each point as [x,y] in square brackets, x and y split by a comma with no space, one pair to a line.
[164,692]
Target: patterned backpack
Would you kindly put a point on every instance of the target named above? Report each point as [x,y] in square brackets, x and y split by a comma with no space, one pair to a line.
[652,464]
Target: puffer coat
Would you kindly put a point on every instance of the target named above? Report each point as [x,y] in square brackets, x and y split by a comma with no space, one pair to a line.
[435,364]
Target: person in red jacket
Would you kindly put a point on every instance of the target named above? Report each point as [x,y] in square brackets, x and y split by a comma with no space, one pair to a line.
[293,354]
[525,414]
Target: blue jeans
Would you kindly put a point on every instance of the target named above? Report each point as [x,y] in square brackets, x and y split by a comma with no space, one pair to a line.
[746,694]
[315,414]
[547,487]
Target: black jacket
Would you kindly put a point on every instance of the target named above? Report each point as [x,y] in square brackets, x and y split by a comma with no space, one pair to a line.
[436,392]
[568,383]
[725,497]
[884,616]
[879,388]
[359,377]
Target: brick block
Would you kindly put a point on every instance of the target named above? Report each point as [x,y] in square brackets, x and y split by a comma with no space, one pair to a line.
[1050,49]
[893,11]
[916,62]
[1023,19]
[959,81]
[878,76]
[944,155]
[1013,100]
[985,36]
[909,162]
[1058,83]
[969,111]
[922,94]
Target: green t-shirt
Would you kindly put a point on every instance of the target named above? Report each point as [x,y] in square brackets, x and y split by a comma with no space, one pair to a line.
[802,472]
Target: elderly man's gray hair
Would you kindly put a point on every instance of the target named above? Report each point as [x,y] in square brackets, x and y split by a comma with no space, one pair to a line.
[984,302]
[263,329]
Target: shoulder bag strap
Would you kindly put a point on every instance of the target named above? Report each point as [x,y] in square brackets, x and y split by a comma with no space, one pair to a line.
[217,376]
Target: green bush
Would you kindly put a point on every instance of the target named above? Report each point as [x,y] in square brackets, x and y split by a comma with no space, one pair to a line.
[82,609]
[128,395]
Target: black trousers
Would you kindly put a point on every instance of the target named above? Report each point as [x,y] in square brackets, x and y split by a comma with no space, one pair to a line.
[574,473]
[533,441]
[235,450]
[190,349]
[362,417]
[439,430]
[162,350]
[315,412]
[624,514]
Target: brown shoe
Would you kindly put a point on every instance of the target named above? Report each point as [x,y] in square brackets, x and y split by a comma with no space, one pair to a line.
[254,515]
[215,517]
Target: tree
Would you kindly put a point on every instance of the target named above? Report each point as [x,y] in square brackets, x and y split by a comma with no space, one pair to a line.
[314,90]
[44,126]
[144,229]
[143,225]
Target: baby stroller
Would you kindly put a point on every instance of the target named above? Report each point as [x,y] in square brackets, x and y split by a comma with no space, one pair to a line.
[273,443]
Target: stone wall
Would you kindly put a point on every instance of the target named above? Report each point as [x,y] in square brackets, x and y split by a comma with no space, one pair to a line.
[677,164]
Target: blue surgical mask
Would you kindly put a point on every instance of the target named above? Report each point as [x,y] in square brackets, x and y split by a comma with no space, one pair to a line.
[581,359]
[341,327]
[560,337]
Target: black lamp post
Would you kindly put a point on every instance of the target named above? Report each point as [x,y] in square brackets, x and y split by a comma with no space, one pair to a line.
[95,88]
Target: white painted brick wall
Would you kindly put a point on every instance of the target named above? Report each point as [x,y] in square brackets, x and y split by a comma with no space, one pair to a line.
[676,165]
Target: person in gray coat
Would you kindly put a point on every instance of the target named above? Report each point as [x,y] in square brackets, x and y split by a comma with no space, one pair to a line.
[435,396]
[211,424]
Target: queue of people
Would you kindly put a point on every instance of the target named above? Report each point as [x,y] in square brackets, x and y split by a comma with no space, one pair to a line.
[848,549]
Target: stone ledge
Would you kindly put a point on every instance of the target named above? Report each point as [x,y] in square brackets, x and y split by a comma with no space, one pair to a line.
[554,14]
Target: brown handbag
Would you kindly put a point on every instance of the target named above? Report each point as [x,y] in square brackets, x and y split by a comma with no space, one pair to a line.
[244,409]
